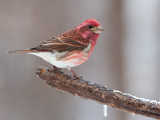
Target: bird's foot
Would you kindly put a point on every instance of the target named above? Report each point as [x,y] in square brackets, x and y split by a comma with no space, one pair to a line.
[75,75]
[55,68]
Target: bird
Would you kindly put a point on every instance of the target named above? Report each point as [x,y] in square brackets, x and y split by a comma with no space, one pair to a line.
[70,48]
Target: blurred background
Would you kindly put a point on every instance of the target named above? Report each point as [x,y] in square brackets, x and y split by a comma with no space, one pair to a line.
[126,57]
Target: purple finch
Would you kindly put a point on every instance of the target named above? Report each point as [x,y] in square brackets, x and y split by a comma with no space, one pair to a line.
[71,48]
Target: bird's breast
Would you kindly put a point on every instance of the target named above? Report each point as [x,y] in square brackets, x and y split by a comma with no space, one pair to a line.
[79,57]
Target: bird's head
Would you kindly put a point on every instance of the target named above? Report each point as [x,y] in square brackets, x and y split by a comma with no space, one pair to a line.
[90,29]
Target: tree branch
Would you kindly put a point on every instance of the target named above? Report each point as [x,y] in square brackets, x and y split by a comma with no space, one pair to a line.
[104,95]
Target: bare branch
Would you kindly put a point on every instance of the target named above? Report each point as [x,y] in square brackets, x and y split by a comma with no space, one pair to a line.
[104,95]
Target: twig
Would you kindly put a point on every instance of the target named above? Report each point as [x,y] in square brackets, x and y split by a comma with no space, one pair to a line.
[104,95]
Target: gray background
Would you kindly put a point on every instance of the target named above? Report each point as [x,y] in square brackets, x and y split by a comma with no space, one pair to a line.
[126,57]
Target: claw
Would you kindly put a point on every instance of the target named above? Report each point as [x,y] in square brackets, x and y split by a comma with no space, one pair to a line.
[55,68]
[75,75]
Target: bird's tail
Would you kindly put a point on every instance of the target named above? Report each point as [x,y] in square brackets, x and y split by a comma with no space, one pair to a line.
[21,51]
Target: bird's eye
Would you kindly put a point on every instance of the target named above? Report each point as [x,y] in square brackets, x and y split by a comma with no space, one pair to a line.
[90,26]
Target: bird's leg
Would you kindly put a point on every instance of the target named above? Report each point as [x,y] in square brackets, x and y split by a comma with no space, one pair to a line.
[74,74]
[55,68]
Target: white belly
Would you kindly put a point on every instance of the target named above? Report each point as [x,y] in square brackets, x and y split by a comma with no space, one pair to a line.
[54,59]
[57,58]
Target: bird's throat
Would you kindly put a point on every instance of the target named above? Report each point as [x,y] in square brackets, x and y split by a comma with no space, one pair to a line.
[93,40]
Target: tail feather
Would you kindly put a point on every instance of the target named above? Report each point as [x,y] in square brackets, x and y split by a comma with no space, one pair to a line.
[21,51]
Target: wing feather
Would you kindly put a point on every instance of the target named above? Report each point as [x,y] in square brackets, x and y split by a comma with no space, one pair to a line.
[68,41]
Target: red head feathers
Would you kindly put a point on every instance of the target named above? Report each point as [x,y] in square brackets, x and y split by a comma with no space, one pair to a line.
[92,22]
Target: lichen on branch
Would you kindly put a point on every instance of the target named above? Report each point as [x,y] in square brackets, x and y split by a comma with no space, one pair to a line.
[101,94]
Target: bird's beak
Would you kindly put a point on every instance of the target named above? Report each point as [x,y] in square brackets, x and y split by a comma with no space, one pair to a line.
[97,29]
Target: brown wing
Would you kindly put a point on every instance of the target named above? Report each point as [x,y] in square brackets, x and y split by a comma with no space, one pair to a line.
[68,41]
